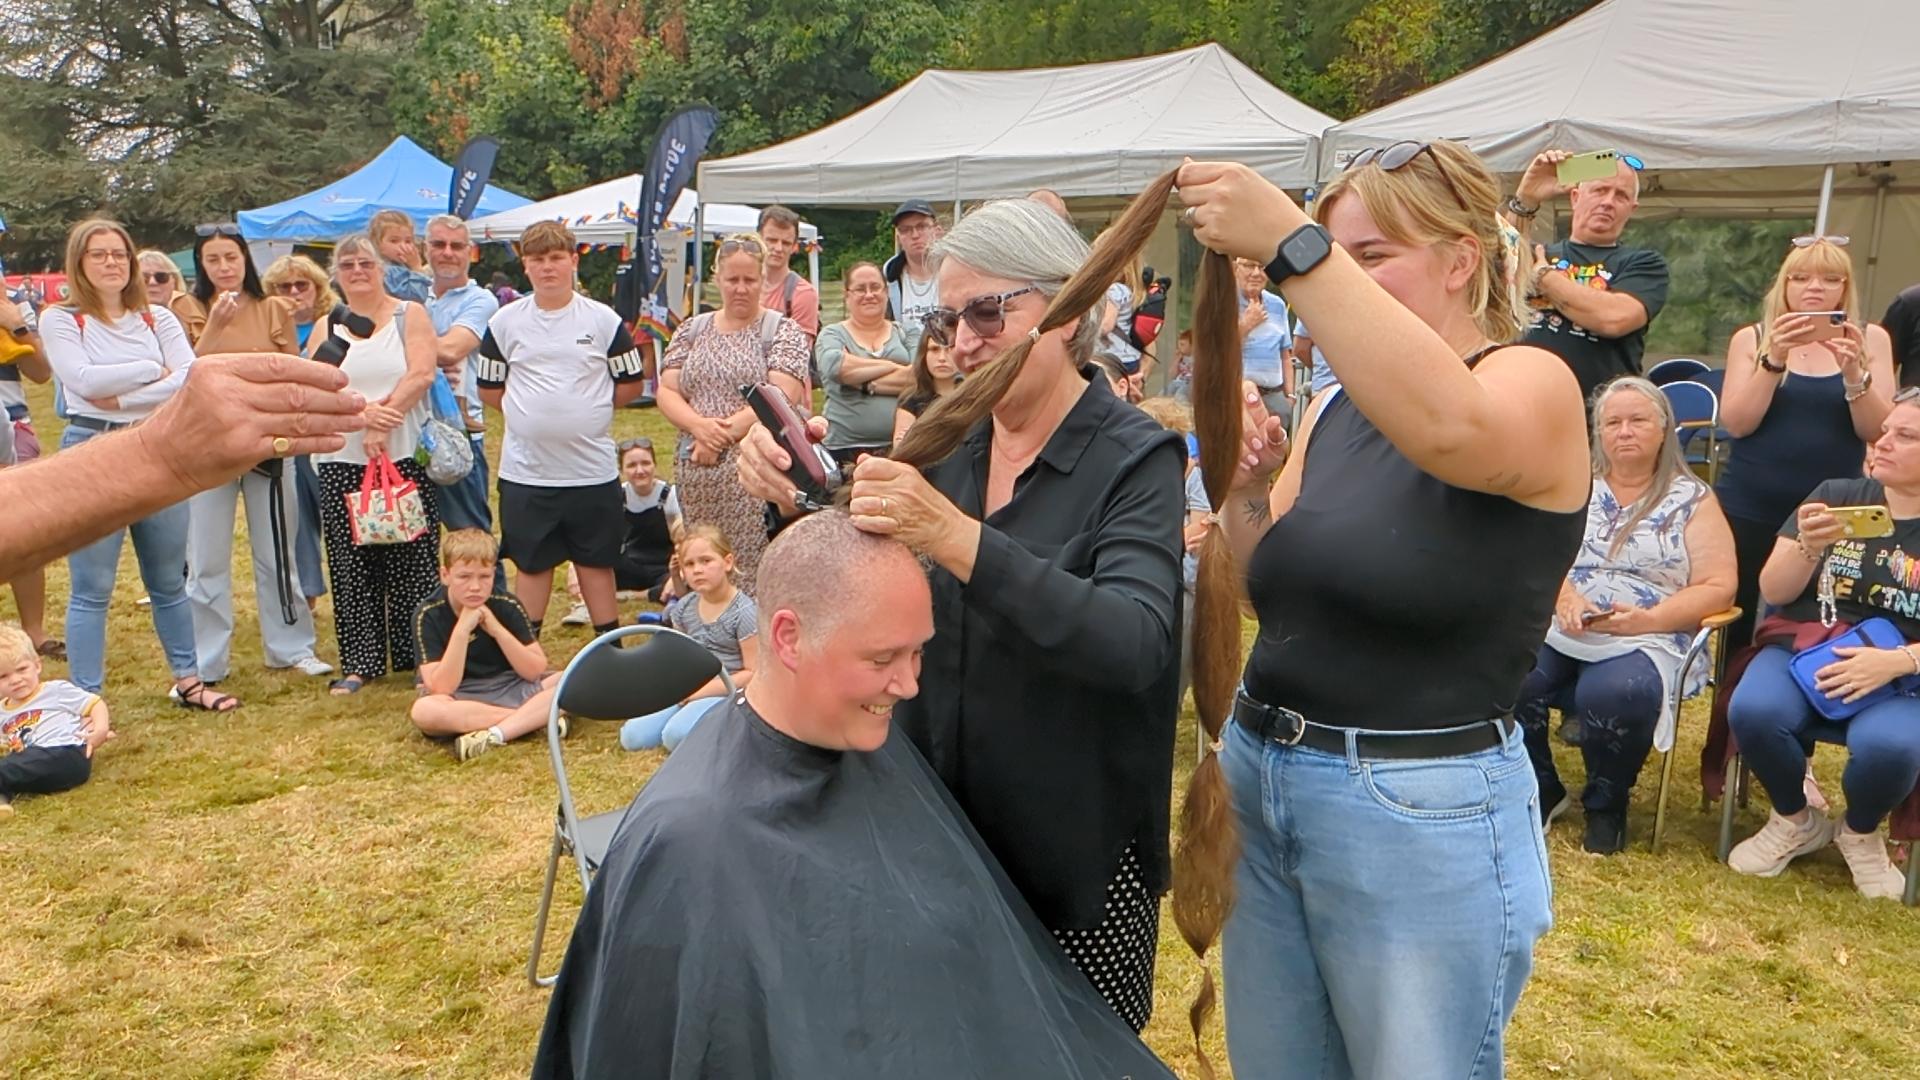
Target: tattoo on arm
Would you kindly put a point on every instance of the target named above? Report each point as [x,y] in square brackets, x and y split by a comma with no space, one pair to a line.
[1502,482]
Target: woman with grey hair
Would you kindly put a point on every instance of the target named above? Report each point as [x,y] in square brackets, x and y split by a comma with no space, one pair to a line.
[1051,512]
[386,347]
[1656,559]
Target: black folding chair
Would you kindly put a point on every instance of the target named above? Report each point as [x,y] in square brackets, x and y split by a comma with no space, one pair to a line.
[604,682]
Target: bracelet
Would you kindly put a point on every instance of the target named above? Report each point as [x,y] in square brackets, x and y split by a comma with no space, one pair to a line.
[1808,553]
[1911,658]
[1520,209]
[1767,365]
[1855,393]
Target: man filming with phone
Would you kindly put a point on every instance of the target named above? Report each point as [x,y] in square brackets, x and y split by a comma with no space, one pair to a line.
[1592,296]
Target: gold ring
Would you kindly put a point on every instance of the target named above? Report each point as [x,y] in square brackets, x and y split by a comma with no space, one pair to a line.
[883,504]
[281,445]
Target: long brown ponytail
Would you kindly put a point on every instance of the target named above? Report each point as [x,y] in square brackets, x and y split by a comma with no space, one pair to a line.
[1203,864]
[940,429]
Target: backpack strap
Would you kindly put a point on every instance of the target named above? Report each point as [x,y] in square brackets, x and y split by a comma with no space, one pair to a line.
[769,329]
[786,298]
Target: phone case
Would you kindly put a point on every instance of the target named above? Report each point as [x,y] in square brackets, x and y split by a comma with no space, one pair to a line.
[1580,168]
[1828,328]
[1864,522]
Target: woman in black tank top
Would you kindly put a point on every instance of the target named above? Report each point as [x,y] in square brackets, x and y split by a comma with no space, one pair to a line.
[1404,567]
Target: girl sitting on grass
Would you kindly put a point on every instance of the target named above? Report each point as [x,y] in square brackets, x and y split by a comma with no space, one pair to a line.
[717,615]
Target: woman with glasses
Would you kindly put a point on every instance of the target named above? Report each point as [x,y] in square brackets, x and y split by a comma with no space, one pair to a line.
[1052,514]
[242,318]
[389,359]
[1803,398]
[162,281]
[709,359]
[119,357]
[1404,566]
[865,367]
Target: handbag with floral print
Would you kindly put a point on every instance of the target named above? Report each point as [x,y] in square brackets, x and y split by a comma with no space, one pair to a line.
[387,509]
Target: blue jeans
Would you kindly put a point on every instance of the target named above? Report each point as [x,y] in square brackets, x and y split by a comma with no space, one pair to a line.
[1387,910]
[666,727]
[464,505]
[306,537]
[160,544]
[1776,727]
[1617,702]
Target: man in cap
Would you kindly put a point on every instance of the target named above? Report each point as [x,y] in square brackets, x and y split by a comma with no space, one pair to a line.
[911,294]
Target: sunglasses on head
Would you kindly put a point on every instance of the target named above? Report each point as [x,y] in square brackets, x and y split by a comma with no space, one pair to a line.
[1811,239]
[987,315]
[641,443]
[746,242]
[218,228]
[1397,156]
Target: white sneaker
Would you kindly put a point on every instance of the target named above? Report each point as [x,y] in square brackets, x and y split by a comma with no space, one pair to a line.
[576,616]
[473,744]
[1873,872]
[1779,842]
[312,665]
[629,594]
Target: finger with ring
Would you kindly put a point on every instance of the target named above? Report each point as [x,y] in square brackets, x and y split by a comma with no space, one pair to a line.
[282,446]
[883,504]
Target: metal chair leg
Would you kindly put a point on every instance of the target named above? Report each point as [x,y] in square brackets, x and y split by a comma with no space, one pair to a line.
[1729,798]
[1660,800]
[540,919]
[1912,897]
[1746,784]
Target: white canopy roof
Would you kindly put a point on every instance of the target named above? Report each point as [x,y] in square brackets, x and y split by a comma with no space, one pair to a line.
[604,214]
[1736,106]
[1094,129]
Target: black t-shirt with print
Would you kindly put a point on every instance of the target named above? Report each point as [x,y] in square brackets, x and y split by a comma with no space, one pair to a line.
[1870,577]
[1637,272]
[434,621]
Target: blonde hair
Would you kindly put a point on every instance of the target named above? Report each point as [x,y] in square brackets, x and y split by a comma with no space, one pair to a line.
[15,645]
[546,237]
[708,532]
[1130,271]
[1823,256]
[468,545]
[288,267]
[157,259]
[1169,413]
[387,220]
[84,295]
[1444,196]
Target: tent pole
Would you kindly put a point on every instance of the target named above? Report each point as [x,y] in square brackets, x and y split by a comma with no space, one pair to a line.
[1826,203]
[813,266]
[699,253]
[1879,223]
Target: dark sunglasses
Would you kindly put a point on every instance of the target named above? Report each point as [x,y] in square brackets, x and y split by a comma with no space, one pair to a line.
[157,277]
[1396,157]
[987,315]
[1811,239]
[218,228]
[296,285]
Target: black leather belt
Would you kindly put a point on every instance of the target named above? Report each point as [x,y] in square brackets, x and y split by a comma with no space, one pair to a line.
[1271,723]
[94,423]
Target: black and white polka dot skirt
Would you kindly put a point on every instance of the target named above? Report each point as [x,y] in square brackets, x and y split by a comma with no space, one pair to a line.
[1117,956]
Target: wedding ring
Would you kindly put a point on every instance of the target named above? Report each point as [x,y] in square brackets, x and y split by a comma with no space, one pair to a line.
[883,504]
[282,445]
[1186,216]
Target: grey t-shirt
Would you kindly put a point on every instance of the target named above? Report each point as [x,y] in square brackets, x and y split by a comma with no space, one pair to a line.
[722,636]
[854,418]
[56,715]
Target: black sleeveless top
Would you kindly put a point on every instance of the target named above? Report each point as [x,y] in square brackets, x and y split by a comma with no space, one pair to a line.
[1391,600]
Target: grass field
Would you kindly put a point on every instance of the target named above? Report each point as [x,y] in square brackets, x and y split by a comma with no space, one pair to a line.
[307,888]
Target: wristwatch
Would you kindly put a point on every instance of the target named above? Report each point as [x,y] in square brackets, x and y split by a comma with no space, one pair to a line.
[1299,253]
[1520,209]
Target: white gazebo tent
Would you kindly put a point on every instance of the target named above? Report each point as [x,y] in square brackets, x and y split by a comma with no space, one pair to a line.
[605,213]
[1740,108]
[1093,130]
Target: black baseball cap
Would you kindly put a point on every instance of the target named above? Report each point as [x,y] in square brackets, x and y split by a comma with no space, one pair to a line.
[912,206]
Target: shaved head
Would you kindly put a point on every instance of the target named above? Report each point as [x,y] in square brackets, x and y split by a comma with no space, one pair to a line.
[822,569]
[1051,199]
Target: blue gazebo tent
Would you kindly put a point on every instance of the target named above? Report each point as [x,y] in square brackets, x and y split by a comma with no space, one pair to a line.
[403,177]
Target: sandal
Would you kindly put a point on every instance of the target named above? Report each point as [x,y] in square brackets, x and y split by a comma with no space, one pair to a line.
[195,696]
[52,649]
[346,684]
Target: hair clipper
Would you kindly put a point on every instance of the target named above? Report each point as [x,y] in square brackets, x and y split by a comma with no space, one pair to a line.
[814,473]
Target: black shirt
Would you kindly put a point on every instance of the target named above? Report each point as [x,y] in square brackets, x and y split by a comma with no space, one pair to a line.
[1870,577]
[1048,693]
[433,625]
[1637,272]
[1393,601]
[1902,323]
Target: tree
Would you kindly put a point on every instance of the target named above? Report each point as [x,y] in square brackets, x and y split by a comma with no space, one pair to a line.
[172,113]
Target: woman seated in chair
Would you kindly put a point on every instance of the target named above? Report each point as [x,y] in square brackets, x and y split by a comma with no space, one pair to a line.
[1773,719]
[1657,558]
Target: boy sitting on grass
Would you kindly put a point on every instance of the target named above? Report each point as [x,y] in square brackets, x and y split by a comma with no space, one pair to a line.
[483,677]
[48,730]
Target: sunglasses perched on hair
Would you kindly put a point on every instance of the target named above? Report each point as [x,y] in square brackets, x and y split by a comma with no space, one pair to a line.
[740,243]
[1398,156]
[1811,239]
[156,277]
[641,443]
[987,315]
[218,228]
[1911,393]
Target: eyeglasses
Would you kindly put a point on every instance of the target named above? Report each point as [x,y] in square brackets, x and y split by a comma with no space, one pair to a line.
[354,265]
[156,277]
[448,245]
[641,443]
[1395,157]
[987,315]
[296,285]
[1832,281]
[917,229]
[218,228]
[866,290]
[107,255]
[1811,239]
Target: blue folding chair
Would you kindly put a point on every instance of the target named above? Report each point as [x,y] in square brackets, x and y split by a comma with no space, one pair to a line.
[1679,369]
[1696,412]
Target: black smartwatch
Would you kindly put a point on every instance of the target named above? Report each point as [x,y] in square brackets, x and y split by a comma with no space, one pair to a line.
[1299,253]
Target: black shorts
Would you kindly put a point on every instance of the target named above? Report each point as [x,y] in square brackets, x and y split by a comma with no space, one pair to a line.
[542,527]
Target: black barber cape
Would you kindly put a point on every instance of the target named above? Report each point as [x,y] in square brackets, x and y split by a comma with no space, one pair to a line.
[772,909]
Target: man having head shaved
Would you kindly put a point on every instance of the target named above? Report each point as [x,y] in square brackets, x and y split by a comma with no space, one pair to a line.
[1051,199]
[795,893]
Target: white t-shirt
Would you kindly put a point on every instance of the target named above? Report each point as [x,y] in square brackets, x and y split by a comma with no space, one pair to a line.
[559,401]
[56,715]
[917,300]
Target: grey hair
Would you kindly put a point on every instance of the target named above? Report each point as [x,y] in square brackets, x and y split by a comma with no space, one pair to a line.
[817,568]
[1022,240]
[1669,466]
[356,243]
[449,221]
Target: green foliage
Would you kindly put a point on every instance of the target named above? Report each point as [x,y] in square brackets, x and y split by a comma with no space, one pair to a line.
[1721,270]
